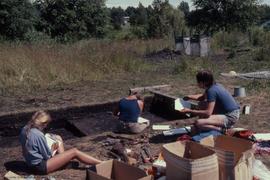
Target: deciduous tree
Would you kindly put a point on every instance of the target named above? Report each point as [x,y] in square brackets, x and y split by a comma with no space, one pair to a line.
[184,7]
[214,15]
[17,17]
[117,17]
[74,19]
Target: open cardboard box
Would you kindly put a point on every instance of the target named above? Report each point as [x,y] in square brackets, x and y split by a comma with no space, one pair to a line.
[116,170]
[190,161]
[235,156]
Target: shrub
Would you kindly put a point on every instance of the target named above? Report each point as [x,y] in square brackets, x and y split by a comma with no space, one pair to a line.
[228,40]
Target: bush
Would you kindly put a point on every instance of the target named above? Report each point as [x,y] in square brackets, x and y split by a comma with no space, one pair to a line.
[228,40]
[139,32]
[261,54]
[259,37]
[37,37]
[189,66]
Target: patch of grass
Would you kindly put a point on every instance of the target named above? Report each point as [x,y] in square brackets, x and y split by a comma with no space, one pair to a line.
[259,37]
[228,40]
[27,67]
[257,86]
[245,63]
[30,67]
[189,66]
[261,54]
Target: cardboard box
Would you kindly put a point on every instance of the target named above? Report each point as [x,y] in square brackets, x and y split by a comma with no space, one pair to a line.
[190,161]
[235,156]
[116,170]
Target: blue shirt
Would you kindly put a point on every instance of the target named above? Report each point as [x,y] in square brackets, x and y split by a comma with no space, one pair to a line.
[35,148]
[129,110]
[224,102]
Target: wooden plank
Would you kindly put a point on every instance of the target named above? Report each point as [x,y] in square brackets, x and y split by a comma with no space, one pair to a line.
[163,95]
[149,88]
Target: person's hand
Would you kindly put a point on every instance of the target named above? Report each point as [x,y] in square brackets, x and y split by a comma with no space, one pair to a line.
[54,146]
[185,110]
[116,113]
[186,98]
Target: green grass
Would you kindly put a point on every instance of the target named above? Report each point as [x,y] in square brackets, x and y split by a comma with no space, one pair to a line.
[26,67]
[31,67]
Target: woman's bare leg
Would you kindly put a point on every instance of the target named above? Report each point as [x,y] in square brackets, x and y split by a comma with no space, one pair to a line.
[59,160]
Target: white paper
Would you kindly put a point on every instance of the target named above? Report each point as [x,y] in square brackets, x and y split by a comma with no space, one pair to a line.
[180,104]
[160,165]
[51,139]
[262,136]
[161,127]
[143,121]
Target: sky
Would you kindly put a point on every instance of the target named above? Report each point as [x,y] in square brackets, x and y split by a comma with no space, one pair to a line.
[126,3]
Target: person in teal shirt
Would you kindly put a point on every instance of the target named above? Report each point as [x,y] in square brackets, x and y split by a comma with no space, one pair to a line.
[218,109]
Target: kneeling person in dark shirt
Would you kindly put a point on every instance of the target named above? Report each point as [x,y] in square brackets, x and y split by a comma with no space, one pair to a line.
[128,111]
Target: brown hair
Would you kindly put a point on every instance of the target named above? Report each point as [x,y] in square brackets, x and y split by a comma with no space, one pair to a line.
[206,77]
[135,93]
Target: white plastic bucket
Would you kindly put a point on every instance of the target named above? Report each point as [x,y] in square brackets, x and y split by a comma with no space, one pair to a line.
[239,92]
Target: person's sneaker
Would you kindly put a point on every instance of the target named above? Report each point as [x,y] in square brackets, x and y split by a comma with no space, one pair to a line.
[224,130]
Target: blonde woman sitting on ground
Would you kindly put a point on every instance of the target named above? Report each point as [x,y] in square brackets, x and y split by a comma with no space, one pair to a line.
[38,154]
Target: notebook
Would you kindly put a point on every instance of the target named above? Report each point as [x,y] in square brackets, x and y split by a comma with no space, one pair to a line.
[143,121]
[180,104]
[51,139]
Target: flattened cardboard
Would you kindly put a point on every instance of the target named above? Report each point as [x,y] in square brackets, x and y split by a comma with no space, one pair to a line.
[235,156]
[11,175]
[116,170]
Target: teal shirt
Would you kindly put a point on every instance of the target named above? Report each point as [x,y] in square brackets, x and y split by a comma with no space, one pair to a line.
[225,102]
[35,149]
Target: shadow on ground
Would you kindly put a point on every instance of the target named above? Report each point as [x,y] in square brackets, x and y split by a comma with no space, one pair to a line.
[19,167]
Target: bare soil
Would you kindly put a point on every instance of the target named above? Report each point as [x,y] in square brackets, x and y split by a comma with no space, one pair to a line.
[95,144]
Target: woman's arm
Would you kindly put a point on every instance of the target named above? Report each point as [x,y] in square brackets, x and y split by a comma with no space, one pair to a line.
[141,105]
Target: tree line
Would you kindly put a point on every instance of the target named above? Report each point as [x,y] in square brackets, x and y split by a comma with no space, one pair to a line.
[66,20]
